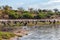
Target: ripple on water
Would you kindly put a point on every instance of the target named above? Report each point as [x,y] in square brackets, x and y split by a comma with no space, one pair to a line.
[44,33]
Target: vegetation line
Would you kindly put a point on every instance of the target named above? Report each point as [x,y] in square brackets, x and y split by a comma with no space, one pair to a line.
[7,12]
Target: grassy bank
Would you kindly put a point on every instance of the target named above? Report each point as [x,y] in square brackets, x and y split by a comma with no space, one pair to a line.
[6,35]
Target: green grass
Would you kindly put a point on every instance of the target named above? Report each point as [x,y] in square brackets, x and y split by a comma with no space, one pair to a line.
[6,35]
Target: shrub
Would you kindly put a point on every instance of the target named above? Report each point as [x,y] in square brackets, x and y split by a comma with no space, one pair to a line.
[41,15]
[27,16]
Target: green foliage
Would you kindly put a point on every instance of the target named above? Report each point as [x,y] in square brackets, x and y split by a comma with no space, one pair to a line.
[49,14]
[6,35]
[13,15]
[6,9]
[41,15]
[27,15]
[7,12]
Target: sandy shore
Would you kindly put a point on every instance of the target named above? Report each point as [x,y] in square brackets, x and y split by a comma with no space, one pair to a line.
[19,33]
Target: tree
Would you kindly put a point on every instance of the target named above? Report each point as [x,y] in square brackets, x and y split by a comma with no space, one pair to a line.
[13,15]
[39,10]
[44,10]
[0,8]
[20,10]
[49,14]
[27,16]
[31,10]
[6,9]
[41,16]
[56,10]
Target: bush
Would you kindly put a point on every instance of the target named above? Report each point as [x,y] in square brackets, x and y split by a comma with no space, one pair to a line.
[14,15]
[27,16]
[41,16]
[49,14]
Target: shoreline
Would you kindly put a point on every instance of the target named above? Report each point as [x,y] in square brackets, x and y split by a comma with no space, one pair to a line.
[20,33]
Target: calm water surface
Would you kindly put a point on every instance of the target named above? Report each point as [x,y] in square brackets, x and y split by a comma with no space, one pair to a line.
[47,32]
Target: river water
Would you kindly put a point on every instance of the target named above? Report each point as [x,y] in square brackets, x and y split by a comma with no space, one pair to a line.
[46,32]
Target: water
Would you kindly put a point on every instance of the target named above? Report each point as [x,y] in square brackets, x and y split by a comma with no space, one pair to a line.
[47,32]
